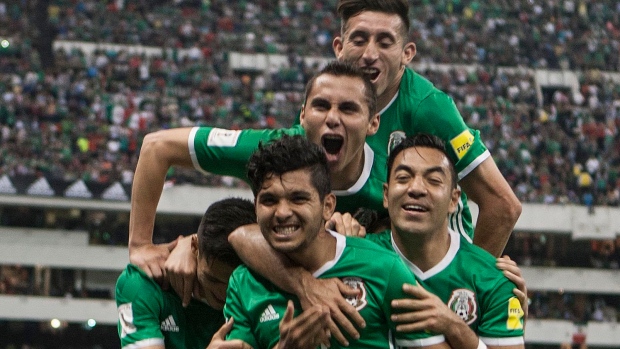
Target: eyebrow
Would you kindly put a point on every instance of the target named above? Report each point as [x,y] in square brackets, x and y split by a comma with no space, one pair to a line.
[319,101]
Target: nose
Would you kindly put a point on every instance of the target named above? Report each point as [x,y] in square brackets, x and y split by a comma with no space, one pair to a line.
[283,211]
[417,187]
[371,54]
[333,118]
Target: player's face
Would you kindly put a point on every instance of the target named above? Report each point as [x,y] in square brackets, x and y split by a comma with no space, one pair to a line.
[374,41]
[419,194]
[336,116]
[290,213]
[213,278]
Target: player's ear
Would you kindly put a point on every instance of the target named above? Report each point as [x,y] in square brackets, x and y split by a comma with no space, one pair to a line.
[337,46]
[409,52]
[373,124]
[329,206]
[302,114]
[385,198]
[194,244]
[455,196]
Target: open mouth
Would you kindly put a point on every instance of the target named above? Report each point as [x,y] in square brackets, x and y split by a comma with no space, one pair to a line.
[415,208]
[332,143]
[371,73]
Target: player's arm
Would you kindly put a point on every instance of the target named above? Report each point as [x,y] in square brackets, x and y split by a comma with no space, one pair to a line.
[308,330]
[423,310]
[499,206]
[421,337]
[138,302]
[501,323]
[160,150]
[256,253]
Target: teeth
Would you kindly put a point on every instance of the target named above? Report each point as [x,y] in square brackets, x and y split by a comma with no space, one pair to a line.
[414,208]
[287,230]
[369,70]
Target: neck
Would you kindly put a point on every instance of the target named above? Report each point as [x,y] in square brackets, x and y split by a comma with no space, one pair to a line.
[423,250]
[391,90]
[347,177]
[318,252]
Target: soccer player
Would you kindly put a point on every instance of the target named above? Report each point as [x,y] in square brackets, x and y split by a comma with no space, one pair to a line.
[293,201]
[150,317]
[339,113]
[460,284]
[374,36]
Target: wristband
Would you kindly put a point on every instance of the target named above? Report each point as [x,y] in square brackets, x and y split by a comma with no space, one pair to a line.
[481,344]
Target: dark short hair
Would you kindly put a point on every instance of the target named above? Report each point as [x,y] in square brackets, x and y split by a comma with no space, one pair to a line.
[350,8]
[221,219]
[342,68]
[421,140]
[289,153]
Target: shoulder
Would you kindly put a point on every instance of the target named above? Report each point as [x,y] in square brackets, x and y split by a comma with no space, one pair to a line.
[482,265]
[133,282]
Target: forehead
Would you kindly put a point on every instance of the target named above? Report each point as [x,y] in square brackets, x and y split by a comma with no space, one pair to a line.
[420,158]
[289,182]
[374,22]
[339,89]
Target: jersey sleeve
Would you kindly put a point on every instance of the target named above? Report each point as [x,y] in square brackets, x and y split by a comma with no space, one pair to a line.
[226,152]
[501,320]
[442,118]
[234,308]
[139,303]
[399,275]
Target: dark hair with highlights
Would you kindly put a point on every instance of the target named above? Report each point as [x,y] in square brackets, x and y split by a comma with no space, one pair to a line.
[289,153]
[421,140]
[342,68]
[350,8]
[221,219]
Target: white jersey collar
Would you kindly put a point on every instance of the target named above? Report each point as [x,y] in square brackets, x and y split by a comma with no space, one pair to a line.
[455,243]
[369,158]
[389,104]
[341,243]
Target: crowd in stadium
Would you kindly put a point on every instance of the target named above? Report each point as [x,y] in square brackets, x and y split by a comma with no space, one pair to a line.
[86,117]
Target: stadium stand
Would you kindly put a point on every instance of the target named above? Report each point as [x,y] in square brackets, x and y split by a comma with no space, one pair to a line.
[539,79]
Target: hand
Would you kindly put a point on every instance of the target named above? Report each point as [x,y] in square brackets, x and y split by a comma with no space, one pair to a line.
[308,330]
[181,268]
[345,224]
[426,311]
[512,271]
[151,258]
[331,293]
[219,339]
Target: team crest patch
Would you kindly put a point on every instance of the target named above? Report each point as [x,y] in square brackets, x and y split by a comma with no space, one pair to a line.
[462,143]
[515,313]
[396,138]
[359,301]
[463,303]
[219,137]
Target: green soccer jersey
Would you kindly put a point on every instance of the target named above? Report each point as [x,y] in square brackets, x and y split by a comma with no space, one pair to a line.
[258,306]
[419,107]
[468,281]
[226,152]
[148,315]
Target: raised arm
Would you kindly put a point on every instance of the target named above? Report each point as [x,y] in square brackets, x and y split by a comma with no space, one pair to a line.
[499,207]
[160,150]
[256,253]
